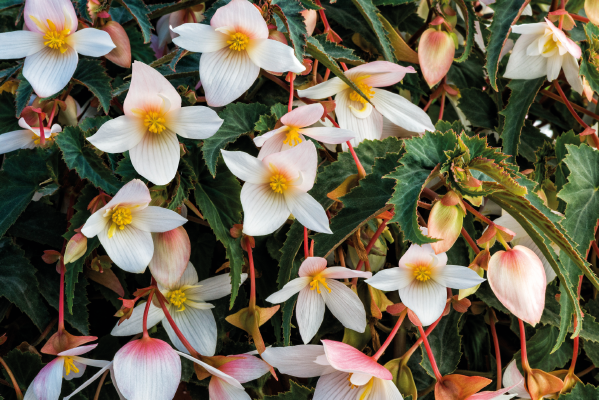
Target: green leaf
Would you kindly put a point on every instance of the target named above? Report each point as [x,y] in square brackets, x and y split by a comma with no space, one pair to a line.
[581,392]
[140,12]
[91,74]
[479,108]
[296,392]
[287,311]
[184,182]
[338,52]
[82,157]
[587,68]
[4,4]
[24,366]
[371,15]
[240,119]
[127,171]
[19,285]
[24,92]
[523,94]
[5,74]
[140,51]
[469,18]
[530,140]
[539,346]
[379,3]
[40,223]
[174,7]
[445,342]
[8,122]
[289,11]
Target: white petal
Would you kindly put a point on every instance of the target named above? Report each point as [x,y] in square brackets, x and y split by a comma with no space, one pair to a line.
[134,324]
[426,299]
[213,288]
[334,386]
[391,279]
[528,242]
[273,55]
[134,193]
[264,210]
[11,141]
[329,135]
[512,376]
[344,273]
[530,29]
[226,74]
[364,128]
[299,159]
[95,224]
[297,361]
[554,66]
[120,134]
[91,362]
[199,38]
[307,210]
[292,287]
[72,374]
[384,389]
[401,111]
[215,372]
[309,313]
[259,141]
[156,219]
[522,66]
[148,90]
[221,390]
[48,382]
[49,71]
[324,89]
[198,327]
[457,277]
[345,305]
[130,249]
[193,122]
[19,44]
[89,381]
[60,12]
[246,167]
[156,157]
[242,16]
[77,351]
[571,70]
[274,144]
[91,42]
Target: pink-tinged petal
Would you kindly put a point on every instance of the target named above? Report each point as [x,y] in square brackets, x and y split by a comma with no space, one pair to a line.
[198,327]
[310,19]
[264,210]
[213,288]
[435,54]
[513,379]
[120,134]
[345,273]
[312,266]
[221,390]
[391,279]
[303,116]
[297,361]
[572,72]
[272,55]
[199,38]
[527,241]
[521,65]
[273,143]
[156,219]
[291,288]
[329,135]
[537,28]
[226,74]
[134,324]
[496,395]
[130,249]
[242,16]
[299,159]
[134,193]
[370,127]
[77,351]
[309,313]
[345,305]
[156,157]
[245,369]
[424,255]
[324,89]
[401,111]
[193,122]
[381,73]
[426,299]
[344,357]
[11,141]
[259,141]
[19,44]
[60,12]
[572,47]
[146,85]
[518,280]
[334,386]
[307,210]
[213,371]
[49,71]
[246,167]
[147,369]
[457,277]
[91,42]
[48,382]
[171,256]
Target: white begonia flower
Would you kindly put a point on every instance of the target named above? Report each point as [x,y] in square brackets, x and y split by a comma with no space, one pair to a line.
[26,138]
[277,187]
[234,47]
[317,286]
[357,115]
[189,308]
[51,43]
[153,118]
[543,50]
[125,225]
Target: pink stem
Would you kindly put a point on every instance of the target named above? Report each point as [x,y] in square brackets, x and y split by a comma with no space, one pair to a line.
[389,339]
[146,311]
[430,355]
[42,134]
[306,245]
[252,305]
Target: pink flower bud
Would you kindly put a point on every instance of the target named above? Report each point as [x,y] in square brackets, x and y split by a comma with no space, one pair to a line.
[310,18]
[51,256]
[435,54]
[591,8]
[76,248]
[276,35]
[121,54]
[445,221]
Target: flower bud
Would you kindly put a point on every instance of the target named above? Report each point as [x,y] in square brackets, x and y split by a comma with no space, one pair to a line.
[591,9]
[68,115]
[121,54]
[76,248]
[459,387]
[445,221]
[402,377]
[274,34]
[435,54]
[51,256]
[310,18]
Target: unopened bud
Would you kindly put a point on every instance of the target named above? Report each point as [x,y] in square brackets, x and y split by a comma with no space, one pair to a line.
[435,55]
[310,18]
[445,221]
[51,256]
[121,54]
[76,248]
[591,9]
[274,34]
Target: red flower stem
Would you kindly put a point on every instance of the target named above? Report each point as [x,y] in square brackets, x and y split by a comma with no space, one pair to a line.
[146,311]
[525,365]
[420,339]
[306,244]
[470,241]
[442,105]
[12,379]
[361,170]
[580,18]
[497,349]
[389,339]
[192,14]
[42,134]
[61,294]
[344,66]
[369,247]
[292,78]
[430,355]
[252,304]
[52,114]
[477,214]
[323,17]
[574,114]
[577,338]
[327,73]
[178,332]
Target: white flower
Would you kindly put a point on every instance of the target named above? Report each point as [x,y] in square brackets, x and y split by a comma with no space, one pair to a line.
[26,138]
[51,43]
[187,305]
[234,47]
[125,225]
[317,287]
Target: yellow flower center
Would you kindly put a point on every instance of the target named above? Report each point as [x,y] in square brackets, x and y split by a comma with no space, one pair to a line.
[293,137]
[317,281]
[37,140]
[120,216]
[154,121]
[55,39]
[422,273]
[278,182]
[238,42]
[366,89]
[178,299]
[69,365]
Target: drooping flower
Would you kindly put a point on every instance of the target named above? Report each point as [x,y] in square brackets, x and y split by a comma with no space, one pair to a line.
[357,115]
[125,225]
[435,53]
[276,187]
[26,138]
[445,221]
[51,43]
[172,250]
[153,118]
[189,308]
[121,54]
[318,286]
[422,278]
[544,50]
[294,128]
[234,47]
[68,364]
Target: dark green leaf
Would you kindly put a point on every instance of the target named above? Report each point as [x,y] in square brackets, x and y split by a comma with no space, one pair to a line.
[140,12]
[469,18]
[581,392]
[539,346]
[296,392]
[91,74]
[479,108]
[371,15]
[8,122]
[338,52]
[40,223]
[24,92]
[289,11]
[445,342]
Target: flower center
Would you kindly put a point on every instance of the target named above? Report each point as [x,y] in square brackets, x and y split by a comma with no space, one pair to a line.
[178,299]
[293,137]
[278,182]
[69,365]
[154,121]
[317,281]
[238,42]
[55,39]
[422,273]
[120,216]
[366,389]
[366,89]
[37,140]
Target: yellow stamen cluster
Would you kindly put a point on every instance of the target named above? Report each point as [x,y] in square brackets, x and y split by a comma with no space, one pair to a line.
[69,366]
[238,42]
[366,89]
[351,385]
[178,299]
[121,216]
[155,122]
[293,137]
[278,183]
[55,39]
[317,281]
[37,140]
[422,273]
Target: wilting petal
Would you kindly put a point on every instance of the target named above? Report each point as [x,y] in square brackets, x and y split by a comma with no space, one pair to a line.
[435,53]
[513,377]
[60,12]
[391,279]
[345,273]
[19,44]
[156,157]
[344,357]
[334,386]
[365,128]
[171,256]
[329,135]
[226,74]
[193,122]
[324,89]
[49,71]
[146,85]
[264,210]
[518,280]
[312,266]
[245,369]
[130,249]
[345,305]
[303,115]
[301,158]
[572,71]
[48,382]
[241,16]
[425,299]
[11,141]
[246,167]
[213,288]
[199,38]
[134,324]
[307,210]
[457,277]
[91,42]
[401,111]
[119,135]
[198,327]
[382,73]
[521,65]
[156,219]
[297,361]
[147,369]
[272,55]
[309,313]
[292,287]
[221,390]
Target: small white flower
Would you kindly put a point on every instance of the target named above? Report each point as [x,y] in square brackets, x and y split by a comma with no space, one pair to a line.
[26,138]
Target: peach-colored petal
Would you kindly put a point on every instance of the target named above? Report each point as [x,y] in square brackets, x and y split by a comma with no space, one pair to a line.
[245,369]
[60,12]
[171,256]
[242,16]
[346,358]
[312,266]
[301,159]
[146,86]
[303,116]
[380,73]
[310,19]
[221,390]
[435,53]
